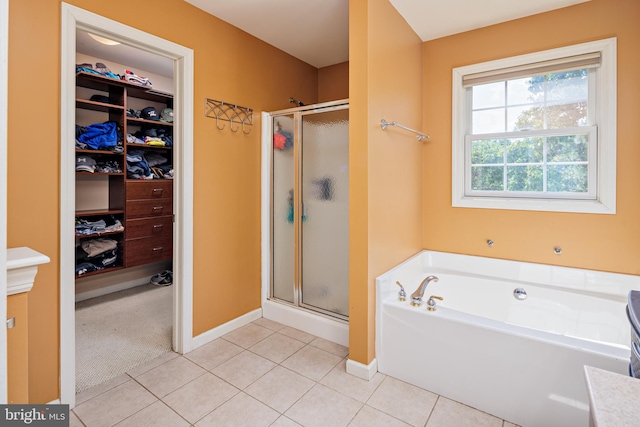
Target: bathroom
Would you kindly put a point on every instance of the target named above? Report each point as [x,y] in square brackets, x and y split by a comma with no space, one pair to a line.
[400,188]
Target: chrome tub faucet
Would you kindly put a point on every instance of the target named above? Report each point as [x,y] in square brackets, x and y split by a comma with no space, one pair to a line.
[416,297]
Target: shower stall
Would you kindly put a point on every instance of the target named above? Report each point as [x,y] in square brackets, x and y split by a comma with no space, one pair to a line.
[306,199]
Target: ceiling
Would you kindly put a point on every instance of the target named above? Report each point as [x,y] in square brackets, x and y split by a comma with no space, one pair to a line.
[123,54]
[317,31]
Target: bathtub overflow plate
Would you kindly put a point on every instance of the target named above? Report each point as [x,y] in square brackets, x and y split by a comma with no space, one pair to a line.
[519,293]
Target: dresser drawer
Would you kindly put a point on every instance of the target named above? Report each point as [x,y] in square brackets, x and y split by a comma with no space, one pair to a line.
[149,208]
[148,249]
[153,189]
[149,227]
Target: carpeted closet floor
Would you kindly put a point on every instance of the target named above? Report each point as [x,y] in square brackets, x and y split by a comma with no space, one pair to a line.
[119,331]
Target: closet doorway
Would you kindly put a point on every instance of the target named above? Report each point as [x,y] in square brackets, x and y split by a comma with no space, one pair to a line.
[124,202]
[76,22]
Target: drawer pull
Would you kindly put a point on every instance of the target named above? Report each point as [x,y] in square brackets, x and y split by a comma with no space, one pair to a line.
[158,208]
[158,226]
[158,190]
[158,249]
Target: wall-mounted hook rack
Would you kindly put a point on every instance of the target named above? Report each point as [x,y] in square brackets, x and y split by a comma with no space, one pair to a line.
[384,124]
[231,113]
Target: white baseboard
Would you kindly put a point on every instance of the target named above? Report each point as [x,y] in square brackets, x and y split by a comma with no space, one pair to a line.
[54,402]
[311,323]
[365,372]
[225,328]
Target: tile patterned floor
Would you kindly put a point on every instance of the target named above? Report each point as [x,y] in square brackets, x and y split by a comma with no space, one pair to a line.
[265,374]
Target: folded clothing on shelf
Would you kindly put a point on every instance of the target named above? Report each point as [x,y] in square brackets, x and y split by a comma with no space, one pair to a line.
[99,136]
[95,254]
[132,77]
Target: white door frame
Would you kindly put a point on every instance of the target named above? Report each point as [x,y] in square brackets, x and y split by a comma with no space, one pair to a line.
[4,55]
[73,18]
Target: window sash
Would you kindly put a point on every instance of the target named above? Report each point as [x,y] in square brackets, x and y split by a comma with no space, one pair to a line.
[544,103]
[590,131]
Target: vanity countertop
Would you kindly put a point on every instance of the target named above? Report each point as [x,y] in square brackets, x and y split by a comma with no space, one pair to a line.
[614,399]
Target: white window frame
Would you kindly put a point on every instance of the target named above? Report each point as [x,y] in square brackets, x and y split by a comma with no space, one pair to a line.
[605,113]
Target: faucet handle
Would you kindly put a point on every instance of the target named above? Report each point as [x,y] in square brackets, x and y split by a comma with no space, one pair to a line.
[431,304]
[402,295]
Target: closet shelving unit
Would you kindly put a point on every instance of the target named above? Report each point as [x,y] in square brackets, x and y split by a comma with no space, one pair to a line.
[144,207]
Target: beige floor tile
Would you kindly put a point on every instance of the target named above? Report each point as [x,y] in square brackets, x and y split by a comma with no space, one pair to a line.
[339,380]
[277,347]
[94,391]
[74,421]
[139,370]
[199,397]
[170,376]
[322,407]
[241,410]
[404,401]
[280,388]
[214,353]
[156,415]
[312,362]
[450,413]
[114,405]
[331,347]
[243,369]
[269,324]
[248,335]
[284,422]
[508,424]
[370,417]
[297,334]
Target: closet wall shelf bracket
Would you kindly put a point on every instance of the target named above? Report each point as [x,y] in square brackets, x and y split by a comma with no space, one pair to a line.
[232,113]
[384,124]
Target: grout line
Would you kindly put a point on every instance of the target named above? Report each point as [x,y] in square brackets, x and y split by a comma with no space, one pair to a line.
[432,410]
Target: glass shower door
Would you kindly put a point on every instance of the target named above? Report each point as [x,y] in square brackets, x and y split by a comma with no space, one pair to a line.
[310,209]
[324,254]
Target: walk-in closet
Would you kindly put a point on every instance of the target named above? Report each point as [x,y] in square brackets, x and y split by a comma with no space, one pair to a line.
[124,198]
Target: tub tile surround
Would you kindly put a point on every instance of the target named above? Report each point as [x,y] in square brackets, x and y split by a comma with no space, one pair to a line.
[235,380]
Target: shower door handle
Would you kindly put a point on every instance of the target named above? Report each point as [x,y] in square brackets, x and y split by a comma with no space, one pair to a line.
[304,211]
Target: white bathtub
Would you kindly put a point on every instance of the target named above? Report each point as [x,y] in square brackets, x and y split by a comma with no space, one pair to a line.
[520,360]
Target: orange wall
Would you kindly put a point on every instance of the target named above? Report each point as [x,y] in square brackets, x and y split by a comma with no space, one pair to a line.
[385,81]
[230,65]
[333,82]
[601,242]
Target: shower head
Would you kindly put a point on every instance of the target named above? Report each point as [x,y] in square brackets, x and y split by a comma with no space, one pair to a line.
[296,101]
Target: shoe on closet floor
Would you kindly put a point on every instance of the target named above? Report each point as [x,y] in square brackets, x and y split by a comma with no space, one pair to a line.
[162,279]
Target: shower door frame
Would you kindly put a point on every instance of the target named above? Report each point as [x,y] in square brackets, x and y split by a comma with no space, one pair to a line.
[267,120]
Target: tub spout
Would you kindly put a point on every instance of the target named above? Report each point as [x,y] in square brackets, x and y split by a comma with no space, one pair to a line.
[416,297]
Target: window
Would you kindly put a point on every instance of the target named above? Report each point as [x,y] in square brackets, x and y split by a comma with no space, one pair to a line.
[537,131]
